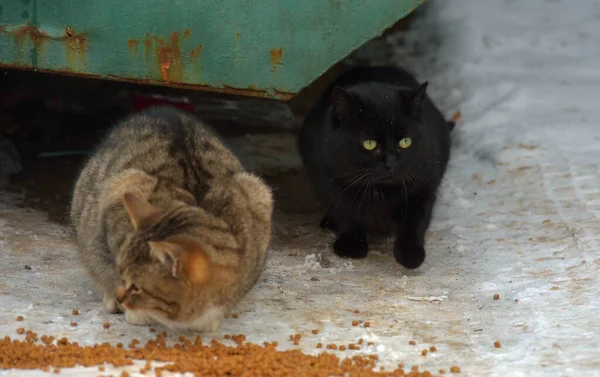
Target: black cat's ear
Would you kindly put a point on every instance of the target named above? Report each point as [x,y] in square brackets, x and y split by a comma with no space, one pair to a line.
[416,98]
[344,105]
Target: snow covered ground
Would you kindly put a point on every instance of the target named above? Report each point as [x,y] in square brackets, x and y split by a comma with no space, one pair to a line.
[518,216]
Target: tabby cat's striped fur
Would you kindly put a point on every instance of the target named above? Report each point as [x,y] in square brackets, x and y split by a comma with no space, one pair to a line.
[168,223]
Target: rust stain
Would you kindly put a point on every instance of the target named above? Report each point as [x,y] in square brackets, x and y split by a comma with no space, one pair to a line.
[196,52]
[76,45]
[187,33]
[238,47]
[63,71]
[164,58]
[251,91]
[37,37]
[133,44]
[30,31]
[195,55]
[170,60]
[276,58]
[148,52]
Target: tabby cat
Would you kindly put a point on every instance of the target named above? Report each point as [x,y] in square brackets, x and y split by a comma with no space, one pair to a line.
[168,223]
[376,149]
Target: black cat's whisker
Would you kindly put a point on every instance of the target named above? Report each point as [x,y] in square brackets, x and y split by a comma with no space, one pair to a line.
[406,198]
[366,192]
[347,187]
[418,183]
[352,182]
[350,173]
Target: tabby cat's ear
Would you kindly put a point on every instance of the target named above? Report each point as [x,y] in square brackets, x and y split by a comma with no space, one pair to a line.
[182,258]
[141,211]
[344,105]
[186,196]
[169,254]
[416,98]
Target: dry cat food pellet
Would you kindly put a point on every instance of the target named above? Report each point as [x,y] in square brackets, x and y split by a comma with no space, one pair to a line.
[360,341]
[356,311]
[496,296]
[319,345]
[315,331]
[424,352]
[497,344]
[236,315]
[20,331]
[432,349]
[412,343]
[20,318]
[441,371]
[106,325]
[370,343]
[455,369]
[208,360]
[227,336]
[342,348]
[152,329]
[354,323]
[367,324]
[239,339]
[47,339]
[73,323]
[75,312]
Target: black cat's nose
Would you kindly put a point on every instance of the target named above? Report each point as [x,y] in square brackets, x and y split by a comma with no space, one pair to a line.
[391,161]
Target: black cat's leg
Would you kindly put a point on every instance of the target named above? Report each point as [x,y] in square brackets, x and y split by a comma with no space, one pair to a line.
[351,241]
[409,248]
[328,222]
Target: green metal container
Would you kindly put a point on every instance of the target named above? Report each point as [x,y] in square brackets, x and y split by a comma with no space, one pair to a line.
[268,48]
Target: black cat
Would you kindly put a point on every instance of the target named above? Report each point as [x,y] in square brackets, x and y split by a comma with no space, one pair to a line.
[376,149]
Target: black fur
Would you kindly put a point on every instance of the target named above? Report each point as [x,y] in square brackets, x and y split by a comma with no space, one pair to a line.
[387,190]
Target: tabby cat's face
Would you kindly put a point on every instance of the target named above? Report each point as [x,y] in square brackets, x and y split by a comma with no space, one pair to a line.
[166,274]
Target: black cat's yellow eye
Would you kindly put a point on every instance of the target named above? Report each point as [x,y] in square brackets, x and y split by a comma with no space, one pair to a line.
[405,143]
[369,144]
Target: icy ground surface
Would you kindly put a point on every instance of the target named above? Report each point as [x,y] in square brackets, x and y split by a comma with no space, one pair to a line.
[518,216]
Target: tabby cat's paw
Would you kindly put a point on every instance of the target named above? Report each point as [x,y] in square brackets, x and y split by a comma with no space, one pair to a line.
[211,326]
[349,246]
[411,256]
[111,304]
[136,319]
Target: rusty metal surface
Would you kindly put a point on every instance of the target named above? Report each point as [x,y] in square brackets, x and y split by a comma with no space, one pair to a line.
[266,49]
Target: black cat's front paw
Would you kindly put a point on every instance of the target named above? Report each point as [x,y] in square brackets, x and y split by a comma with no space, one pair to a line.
[350,246]
[411,256]
[327,222]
